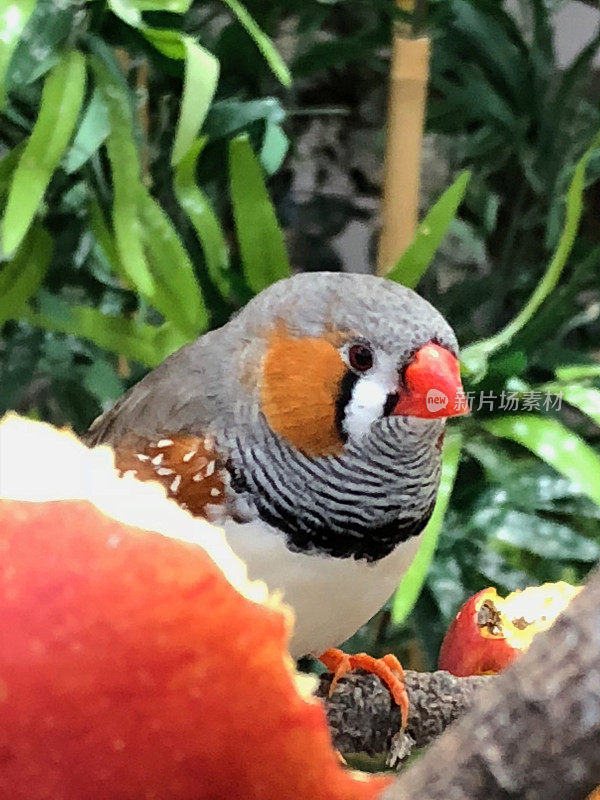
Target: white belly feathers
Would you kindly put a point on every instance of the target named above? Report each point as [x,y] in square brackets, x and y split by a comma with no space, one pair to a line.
[331,597]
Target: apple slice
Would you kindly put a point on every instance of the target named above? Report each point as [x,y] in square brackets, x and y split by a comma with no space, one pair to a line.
[489,631]
[136,664]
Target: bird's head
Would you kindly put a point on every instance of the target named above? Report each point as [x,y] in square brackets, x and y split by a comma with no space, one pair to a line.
[341,353]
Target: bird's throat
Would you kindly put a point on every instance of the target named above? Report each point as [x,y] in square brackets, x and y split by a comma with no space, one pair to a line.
[361,505]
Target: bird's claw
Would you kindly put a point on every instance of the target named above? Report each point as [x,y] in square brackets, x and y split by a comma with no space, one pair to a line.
[388,669]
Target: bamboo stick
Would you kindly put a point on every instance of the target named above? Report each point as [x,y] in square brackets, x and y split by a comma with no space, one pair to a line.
[406,114]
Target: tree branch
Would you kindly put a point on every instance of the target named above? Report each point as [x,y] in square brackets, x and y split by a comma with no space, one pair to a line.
[363,718]
[532,732]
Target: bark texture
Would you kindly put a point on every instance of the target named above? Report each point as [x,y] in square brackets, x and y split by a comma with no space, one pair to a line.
[364,719]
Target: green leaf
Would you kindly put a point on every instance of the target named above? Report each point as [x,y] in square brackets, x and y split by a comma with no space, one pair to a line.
[556,445]
[94,129]
[262,246]
[101,380]
[445,582]
[499,573]
[173,6]
[478,98]
[139,341]
[230,116]
[411,265]
[106,240]
[201,71]
[13,19]
[130,11]
[477,353]
[199,85]
[127,10]
[21,277]
[149,250]
[166,40]
[410,587]
[274,148]
[125,168]
[181,296]
[492,44]
[206,224]
[543,52]
[577,372]
[542,537]
[61,102]
[262,41]
[7,167]
[528,483]
[40,46]
[585,398]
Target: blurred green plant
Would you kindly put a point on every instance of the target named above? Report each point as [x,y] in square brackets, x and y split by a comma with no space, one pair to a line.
[137,140]
[105,234]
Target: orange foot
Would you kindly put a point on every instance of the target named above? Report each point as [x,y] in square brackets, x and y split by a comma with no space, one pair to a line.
[388,669]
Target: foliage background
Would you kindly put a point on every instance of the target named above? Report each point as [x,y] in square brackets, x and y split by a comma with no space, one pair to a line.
[139,209]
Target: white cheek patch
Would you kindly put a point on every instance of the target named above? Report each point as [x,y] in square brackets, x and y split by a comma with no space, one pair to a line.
[365,406]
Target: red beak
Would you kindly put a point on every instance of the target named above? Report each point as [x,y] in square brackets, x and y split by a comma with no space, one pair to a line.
[432,387]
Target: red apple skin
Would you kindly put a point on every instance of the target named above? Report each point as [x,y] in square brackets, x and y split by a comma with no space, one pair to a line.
[130,669]
[466,651]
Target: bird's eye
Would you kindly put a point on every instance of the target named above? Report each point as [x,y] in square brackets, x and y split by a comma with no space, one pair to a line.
[360,357]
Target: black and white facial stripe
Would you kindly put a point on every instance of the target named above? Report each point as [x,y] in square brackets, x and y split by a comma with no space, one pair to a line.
[365,394]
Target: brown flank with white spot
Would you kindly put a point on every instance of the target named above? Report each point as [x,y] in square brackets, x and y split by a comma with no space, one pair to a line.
[187,466]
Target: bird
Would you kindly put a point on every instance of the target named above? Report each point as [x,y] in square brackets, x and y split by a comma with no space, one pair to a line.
[310,428]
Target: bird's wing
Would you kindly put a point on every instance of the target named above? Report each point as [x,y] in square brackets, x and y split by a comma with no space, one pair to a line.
[161,428]
[187,466]
[183,394]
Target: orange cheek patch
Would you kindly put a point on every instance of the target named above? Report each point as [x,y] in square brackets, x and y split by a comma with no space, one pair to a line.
[299,387]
